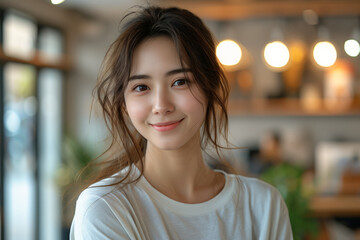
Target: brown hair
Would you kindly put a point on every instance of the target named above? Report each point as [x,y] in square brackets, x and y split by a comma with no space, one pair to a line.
[195,45]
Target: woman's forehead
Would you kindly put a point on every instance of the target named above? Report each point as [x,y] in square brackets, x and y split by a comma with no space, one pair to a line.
[156,55]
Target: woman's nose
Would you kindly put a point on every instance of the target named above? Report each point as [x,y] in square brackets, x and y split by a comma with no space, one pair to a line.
[162,102]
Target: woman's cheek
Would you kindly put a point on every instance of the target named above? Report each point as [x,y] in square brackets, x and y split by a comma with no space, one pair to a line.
[136,110]
[194,103]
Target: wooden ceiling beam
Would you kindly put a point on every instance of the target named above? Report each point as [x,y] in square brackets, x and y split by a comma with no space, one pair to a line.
[230,10]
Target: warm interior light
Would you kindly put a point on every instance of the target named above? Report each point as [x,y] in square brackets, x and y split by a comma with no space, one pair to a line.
[57,1]
[352,47]
[276,54]
[228,52]
[325,54]
[338,88]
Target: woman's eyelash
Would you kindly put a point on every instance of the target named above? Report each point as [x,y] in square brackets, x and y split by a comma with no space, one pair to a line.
[178,82]
[140,88]
[182,80]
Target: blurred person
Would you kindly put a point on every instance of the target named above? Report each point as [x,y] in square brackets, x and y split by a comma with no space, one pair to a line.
[267,155]
[164,96]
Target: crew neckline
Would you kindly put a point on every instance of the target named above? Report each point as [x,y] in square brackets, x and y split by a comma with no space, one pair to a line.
[216,202]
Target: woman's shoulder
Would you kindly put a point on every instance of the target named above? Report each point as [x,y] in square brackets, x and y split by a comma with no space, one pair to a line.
[104,191]
[261,197]
[253,186]
[101,210]
[96,194]
[263,205]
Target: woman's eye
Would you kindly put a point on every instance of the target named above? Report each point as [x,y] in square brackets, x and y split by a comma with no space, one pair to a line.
[141,88]
[180,82]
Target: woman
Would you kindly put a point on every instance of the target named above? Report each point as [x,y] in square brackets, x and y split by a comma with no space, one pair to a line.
[164,96]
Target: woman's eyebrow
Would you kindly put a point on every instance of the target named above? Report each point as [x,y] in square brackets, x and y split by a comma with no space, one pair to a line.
[134,77]
[176,71]
[172,72]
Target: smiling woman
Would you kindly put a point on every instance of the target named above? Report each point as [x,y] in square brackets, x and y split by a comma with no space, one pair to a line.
[164,97]
[162,101]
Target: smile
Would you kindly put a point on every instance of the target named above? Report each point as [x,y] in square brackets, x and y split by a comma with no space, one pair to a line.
[167,126]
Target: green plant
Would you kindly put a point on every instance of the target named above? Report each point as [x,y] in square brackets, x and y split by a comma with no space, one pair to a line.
[287,179]
[76,156]
[72,174]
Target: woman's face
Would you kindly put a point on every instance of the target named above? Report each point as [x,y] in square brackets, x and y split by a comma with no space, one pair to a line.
[162,99]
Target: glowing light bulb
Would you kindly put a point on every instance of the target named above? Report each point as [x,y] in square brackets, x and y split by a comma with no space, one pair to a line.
[325,54]
[352,47]
[57,1]
[276,54]
[228,52]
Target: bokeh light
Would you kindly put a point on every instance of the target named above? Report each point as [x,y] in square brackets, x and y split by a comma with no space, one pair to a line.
[352,47]
[57,1]
[325,54]
[276,54]
[228,52]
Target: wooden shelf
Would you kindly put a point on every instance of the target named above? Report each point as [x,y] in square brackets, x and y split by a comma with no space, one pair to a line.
[64,64]
[335,206]
[286,107]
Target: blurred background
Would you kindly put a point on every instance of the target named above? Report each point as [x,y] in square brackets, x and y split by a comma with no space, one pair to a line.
[293,67]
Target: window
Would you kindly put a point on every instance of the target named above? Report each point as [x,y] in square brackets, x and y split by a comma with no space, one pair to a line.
[20,151]
[19,35]
[31,79]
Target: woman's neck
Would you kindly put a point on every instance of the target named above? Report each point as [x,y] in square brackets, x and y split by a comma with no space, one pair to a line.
[182,174]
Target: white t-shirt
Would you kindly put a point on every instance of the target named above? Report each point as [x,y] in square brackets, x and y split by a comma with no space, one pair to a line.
[246,208]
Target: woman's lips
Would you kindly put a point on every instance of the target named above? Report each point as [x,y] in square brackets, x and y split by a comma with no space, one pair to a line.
[162,127]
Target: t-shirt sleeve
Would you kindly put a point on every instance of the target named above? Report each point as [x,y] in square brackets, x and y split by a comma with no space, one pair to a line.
[269,212]
[282,226]
[94,219]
